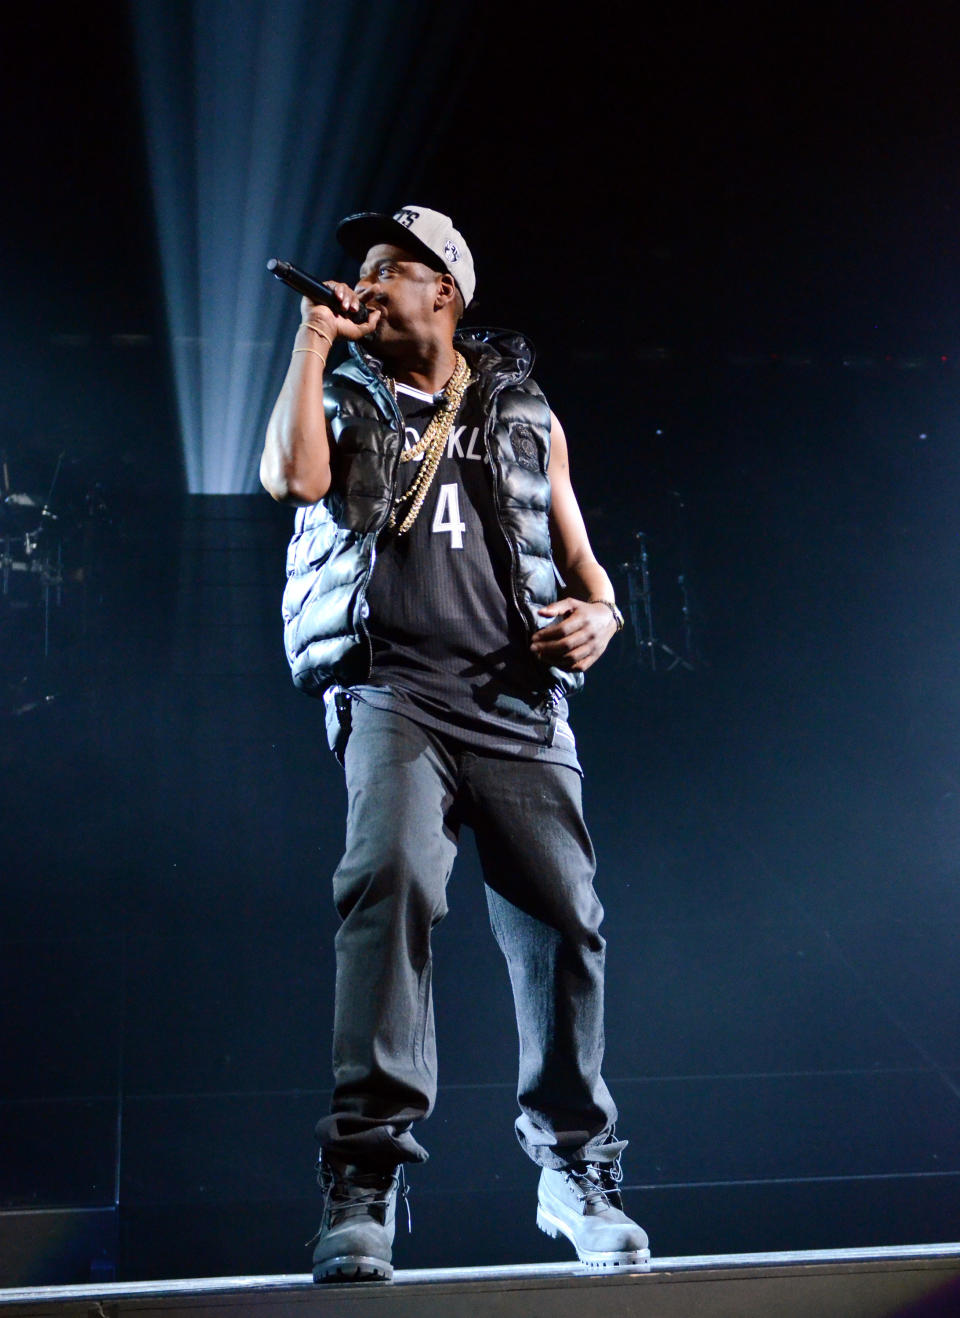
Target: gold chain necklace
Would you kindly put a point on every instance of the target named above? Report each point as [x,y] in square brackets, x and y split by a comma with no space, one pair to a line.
[430,445]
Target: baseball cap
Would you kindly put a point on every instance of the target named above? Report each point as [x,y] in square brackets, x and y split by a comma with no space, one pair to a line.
[427,234]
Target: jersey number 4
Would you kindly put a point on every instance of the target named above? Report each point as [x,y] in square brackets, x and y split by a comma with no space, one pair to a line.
[446,515]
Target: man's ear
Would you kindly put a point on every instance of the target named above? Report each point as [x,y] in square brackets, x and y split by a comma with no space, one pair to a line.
[446,291]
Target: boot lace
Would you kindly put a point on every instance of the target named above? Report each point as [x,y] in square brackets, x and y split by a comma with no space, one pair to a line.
[359,1194]
[596,1184]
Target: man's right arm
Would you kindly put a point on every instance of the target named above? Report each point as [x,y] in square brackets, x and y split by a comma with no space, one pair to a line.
[295,464]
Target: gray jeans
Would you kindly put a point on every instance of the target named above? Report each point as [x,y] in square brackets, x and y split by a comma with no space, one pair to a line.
[409,791]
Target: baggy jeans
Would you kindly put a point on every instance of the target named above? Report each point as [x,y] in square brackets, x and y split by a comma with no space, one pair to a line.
[409,790]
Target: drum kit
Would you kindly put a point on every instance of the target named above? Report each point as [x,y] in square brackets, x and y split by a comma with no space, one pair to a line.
[33,530]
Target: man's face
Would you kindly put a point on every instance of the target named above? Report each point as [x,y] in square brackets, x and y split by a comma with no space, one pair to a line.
[401,287]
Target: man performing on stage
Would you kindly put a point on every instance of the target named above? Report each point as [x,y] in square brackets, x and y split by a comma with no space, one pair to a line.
[422,602]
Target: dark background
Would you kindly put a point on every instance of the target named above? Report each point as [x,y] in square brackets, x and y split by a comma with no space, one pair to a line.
[732,233]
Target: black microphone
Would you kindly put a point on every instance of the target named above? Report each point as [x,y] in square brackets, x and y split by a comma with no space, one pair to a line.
[313,289]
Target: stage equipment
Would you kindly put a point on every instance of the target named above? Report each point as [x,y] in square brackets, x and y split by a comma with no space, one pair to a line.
[45,548]
[652,653]
[31,544]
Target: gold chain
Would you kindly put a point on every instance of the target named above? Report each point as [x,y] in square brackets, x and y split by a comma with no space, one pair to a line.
[430,445]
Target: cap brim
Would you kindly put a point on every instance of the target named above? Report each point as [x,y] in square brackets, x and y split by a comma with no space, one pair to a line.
[358,233]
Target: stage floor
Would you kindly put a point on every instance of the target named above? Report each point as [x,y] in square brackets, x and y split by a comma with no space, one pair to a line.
[851,1283]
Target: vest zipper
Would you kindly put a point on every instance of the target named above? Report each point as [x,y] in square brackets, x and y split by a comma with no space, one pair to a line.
[495,475]
[362,598]
[555,693]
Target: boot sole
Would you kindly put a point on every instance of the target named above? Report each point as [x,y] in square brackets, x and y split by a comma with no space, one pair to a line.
[638,1260]
[353,1267]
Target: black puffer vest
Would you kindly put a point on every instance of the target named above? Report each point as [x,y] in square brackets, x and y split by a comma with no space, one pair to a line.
[333,549]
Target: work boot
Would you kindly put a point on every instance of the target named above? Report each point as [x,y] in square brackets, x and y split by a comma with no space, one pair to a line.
[583,1202]
[355,1239]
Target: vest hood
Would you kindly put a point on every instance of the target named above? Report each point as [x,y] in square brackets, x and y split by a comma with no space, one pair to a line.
[500,355]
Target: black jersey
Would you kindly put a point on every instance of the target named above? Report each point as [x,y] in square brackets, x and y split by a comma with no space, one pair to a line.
[450,648]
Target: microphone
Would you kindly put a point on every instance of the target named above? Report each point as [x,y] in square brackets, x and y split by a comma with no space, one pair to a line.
[305,284]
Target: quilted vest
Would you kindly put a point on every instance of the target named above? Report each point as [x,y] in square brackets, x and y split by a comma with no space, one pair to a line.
[332,553]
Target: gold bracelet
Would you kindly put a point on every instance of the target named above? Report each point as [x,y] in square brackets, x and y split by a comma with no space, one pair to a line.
[313,351]
[305,324]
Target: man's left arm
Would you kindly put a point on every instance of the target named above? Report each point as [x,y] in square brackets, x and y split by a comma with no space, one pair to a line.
[583,627]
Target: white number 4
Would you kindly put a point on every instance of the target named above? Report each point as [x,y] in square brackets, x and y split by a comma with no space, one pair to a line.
[446,516]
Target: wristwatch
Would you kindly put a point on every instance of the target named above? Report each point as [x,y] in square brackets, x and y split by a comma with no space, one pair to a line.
[617,615]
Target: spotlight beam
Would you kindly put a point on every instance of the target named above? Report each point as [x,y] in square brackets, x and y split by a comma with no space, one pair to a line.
[266,122]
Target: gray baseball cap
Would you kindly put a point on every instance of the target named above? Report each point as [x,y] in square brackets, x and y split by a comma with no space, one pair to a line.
[426,233]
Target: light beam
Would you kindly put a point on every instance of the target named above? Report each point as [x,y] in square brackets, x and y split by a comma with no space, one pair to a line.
[266,122]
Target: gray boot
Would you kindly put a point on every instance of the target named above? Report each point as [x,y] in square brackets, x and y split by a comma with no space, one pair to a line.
[584,1203]
[356,1235]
